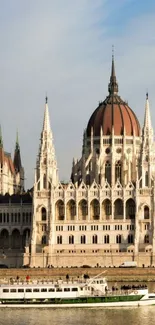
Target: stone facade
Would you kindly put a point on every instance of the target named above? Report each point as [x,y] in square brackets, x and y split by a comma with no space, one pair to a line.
[106,213]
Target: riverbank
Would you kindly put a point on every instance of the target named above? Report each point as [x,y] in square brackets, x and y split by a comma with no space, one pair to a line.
[112,274]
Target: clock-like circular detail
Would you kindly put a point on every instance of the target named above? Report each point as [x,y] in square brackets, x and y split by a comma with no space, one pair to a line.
[107,150]
[118,150]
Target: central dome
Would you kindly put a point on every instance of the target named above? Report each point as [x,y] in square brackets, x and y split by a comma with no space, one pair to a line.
[113,113]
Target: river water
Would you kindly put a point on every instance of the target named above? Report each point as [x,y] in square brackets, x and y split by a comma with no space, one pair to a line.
[108,316]
[118,316]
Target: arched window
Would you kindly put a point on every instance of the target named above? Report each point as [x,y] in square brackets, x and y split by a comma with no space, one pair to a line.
[118,209]
[146,179]
[118,171]
[72,209]
[59,239]
[146,212]
[84,208]
[108,172]
[43,214]
[130,239]
[83,239]
[106,239]
[146,239]
[44,181]
[71,239]
[130,209]
[43,240]
[61,210]
[118,239]
[38,186]
[95,209]
[94,239]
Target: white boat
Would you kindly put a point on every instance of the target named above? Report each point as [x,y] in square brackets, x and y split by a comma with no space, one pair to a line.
[93,292]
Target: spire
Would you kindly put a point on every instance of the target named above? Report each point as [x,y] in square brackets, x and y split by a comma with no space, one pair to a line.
[1,140]
[46,123]
[17,158]
[17,140]
[147,117]
[47,171]
[113,85]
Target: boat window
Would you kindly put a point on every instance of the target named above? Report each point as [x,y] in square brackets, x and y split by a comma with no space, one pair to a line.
[43,290]
[35,290]
[12,290]
[5,290]
[20,290]
[101,281]
[66,289]
[152,297]
[58,289]
[81,289]
[74,289]
[28,290]
[51,290]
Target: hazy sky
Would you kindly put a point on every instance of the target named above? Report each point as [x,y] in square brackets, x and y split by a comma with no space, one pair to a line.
[63,47]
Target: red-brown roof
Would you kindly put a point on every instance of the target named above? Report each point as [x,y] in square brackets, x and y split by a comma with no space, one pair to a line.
[113,112]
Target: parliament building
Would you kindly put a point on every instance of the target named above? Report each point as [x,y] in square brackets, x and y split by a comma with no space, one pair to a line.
[104,215]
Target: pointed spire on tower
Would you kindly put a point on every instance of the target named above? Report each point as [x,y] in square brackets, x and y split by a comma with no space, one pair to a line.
[147,117]
[17,157]
[113,85]
[46,123]
[17,140]
[1,140]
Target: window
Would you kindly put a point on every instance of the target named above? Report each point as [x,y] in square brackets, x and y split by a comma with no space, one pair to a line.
[20,290]
[59,239]
[43,290]
[94,239]
[108,172]
[146,179]
[51,290]
[44,181]
[118,239]
[28,290]
[43,214]
[43,240]
[83,239]
[71,239]
[5,290]
[146,239]
[74,289]
[58,289]
[118,171]
[106,239]
[146,212]
[35,290]
[66,289]
[12,290]
[130,239]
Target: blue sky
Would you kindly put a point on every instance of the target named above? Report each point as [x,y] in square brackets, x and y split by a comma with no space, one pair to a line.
[64,48]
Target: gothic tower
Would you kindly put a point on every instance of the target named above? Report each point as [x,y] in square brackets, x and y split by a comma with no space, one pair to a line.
[19,170]
[46,179]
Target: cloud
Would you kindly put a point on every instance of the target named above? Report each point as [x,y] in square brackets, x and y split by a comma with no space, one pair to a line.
[64,48]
